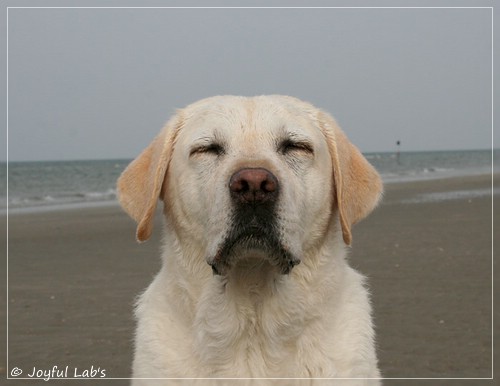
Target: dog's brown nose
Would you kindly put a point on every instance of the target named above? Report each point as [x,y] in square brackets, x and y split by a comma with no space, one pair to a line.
[253,185]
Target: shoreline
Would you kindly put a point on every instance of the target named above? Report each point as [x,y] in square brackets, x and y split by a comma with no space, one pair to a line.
[114,202]
[59,207]
[74,275]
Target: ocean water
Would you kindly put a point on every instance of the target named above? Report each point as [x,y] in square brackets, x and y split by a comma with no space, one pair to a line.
[59,183]
[409,166]
[46,185]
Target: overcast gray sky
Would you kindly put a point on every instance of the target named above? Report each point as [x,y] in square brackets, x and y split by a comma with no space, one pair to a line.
[100,83]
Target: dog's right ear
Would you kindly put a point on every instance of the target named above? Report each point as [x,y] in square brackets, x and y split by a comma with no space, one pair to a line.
[357,185]
[140,184]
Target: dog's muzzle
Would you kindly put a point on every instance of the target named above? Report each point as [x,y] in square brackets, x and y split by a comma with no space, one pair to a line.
[254,193]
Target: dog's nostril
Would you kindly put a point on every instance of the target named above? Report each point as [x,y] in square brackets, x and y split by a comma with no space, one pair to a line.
[239,186]
[269,185]
[253,184]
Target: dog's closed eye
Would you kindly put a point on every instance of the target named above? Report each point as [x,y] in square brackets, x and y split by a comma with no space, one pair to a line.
[288,146]
[209,149]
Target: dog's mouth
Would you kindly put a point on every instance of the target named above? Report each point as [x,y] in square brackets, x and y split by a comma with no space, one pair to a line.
[253,240]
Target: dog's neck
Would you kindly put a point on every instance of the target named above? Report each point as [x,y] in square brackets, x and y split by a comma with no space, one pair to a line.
[260,312]
[253,312]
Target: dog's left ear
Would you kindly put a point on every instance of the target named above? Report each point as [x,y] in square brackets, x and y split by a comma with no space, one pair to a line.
[358,187]
[140,184]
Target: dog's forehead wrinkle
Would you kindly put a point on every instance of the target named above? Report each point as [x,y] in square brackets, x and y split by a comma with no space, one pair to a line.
[207,136]
[251,115]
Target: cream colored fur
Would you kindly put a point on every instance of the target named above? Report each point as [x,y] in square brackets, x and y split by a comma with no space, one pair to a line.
[253,321]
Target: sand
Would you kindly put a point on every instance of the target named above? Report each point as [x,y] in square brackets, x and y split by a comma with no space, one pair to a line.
[73,276]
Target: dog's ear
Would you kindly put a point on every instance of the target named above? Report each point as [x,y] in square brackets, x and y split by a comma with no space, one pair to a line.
[140,184]
[358,187]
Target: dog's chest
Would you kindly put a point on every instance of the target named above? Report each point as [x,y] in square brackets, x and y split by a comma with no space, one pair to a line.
[245,340]
[251,334]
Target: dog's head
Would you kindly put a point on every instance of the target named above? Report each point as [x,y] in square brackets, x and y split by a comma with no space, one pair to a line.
[264,177]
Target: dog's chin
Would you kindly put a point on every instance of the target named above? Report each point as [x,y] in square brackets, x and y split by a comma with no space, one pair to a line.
[252,250]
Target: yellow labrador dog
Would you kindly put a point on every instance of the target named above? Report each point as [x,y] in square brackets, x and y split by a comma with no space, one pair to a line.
[259,195]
